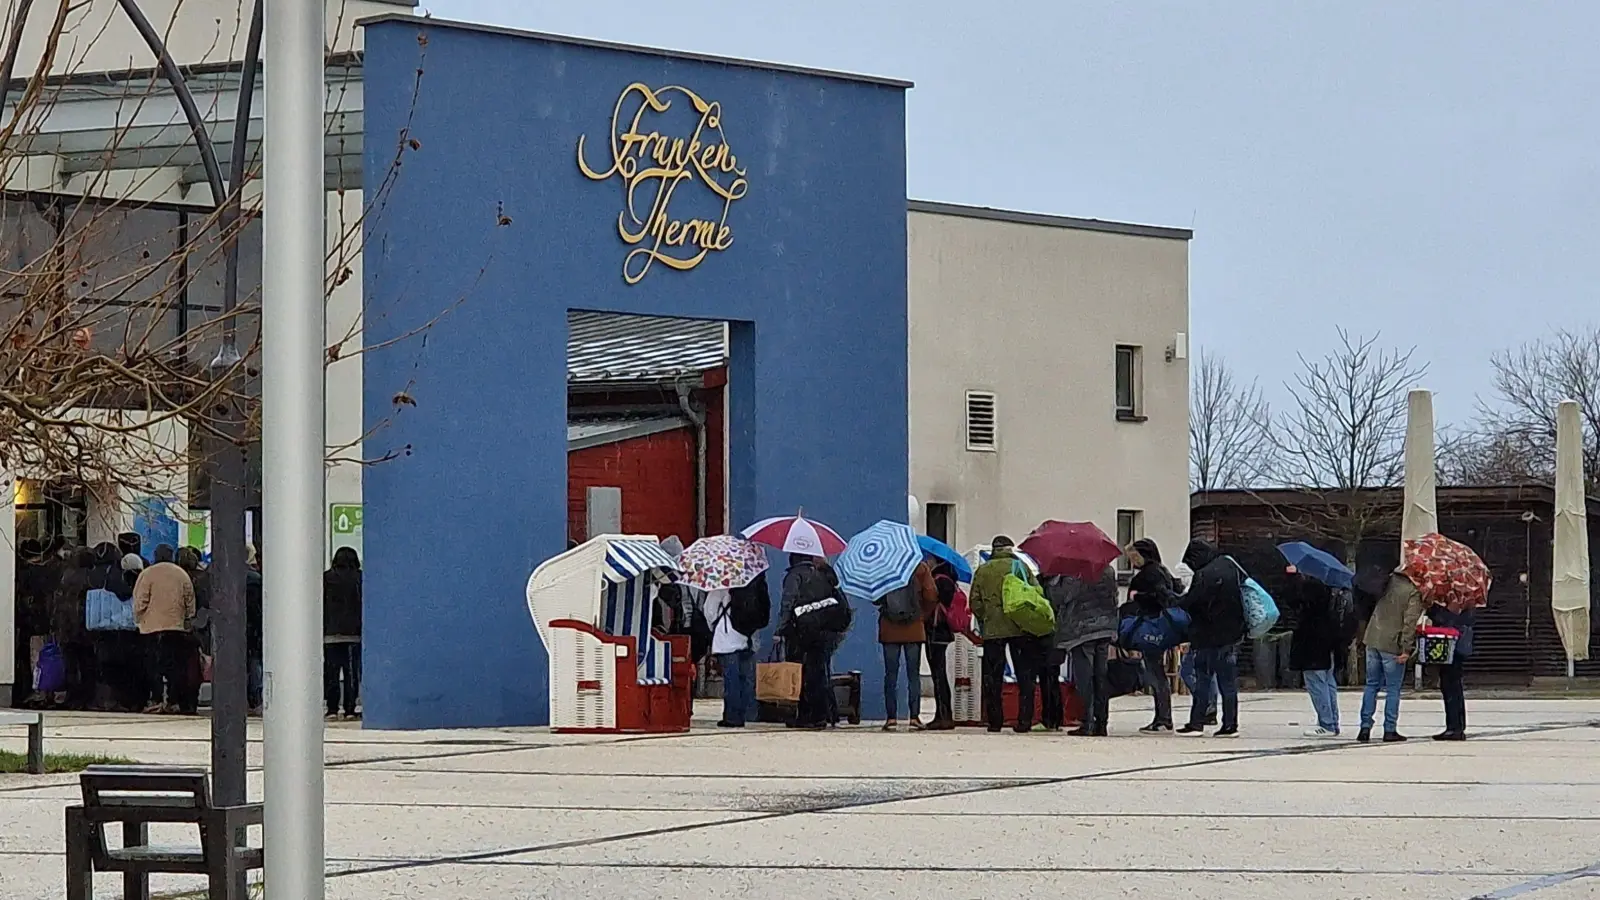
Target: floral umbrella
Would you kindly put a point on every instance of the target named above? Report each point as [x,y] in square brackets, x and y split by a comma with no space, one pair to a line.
[721,563]
[1446,572]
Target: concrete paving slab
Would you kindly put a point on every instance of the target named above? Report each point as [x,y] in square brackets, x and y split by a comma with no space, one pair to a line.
[861,814]
[1114,843]
[544,883]
[1340,801]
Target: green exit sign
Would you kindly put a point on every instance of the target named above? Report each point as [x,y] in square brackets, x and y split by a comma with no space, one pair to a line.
[346,518]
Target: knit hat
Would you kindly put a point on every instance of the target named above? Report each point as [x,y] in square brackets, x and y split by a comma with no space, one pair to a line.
[132,563]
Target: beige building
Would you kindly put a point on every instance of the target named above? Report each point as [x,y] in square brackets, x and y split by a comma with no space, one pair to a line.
[1048,374]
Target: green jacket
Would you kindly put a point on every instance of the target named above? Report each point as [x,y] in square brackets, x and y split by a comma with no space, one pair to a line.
[1393,626]
[987,599]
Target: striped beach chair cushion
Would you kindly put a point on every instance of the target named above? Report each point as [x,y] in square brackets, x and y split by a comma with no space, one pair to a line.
[627,614]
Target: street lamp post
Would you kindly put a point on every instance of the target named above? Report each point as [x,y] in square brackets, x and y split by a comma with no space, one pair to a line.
[293,446]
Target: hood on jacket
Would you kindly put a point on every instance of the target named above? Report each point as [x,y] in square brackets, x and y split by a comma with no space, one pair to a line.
[346,558]
[105,554]
[1199,554]
[189,559]
[1148,549]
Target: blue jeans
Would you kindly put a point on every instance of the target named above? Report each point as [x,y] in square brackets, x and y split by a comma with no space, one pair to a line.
[891,679]
[1217,666]
[738,685]
[1324,691]
[1384,671]
[1187,676]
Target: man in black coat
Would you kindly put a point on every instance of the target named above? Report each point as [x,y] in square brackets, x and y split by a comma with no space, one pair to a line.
[1217,626]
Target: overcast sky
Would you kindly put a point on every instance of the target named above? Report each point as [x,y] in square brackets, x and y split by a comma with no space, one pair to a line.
[1427,169]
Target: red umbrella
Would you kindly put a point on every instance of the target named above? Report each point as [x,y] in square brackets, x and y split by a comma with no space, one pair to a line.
[1446,572]
[1078,549]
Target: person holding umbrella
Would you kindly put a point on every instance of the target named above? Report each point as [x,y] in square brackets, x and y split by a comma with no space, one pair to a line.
[883,565]
[809,584]
[1074,559]
[1313,649]
[1454,582]
[1086,624]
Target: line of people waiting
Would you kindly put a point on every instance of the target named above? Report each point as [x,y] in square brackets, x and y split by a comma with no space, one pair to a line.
[151,652]
[815,616]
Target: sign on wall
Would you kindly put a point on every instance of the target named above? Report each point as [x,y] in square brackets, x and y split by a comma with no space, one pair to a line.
[344,527]
[679,177]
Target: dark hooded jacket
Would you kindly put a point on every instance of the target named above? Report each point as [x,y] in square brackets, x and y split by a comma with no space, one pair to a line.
[189,560]
[67,607]
[1151,589]
[341,596]
[1213,602]
[106,573]
[32,598]
[805,582]
[252,613]
[1084,612]
[1316,633]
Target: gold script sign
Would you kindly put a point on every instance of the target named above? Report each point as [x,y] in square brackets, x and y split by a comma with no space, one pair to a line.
[654,167]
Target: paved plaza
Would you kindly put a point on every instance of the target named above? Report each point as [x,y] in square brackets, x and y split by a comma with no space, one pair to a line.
[769,813]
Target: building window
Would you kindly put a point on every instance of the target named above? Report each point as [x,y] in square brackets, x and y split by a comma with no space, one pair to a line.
[1130,527]
[980,421]
[942,522]
[1130,387]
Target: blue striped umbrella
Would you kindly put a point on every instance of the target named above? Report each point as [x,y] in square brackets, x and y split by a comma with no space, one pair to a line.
[878,560]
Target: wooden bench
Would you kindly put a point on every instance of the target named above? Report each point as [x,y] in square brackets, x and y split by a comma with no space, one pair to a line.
[35,723]
[136,796]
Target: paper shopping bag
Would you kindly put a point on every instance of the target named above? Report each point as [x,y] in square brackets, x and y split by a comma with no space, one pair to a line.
[778,682]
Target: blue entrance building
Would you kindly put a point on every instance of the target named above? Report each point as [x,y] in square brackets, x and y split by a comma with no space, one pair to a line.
[550,174]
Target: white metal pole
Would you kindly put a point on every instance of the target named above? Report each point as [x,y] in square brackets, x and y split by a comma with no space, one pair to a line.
[292,446]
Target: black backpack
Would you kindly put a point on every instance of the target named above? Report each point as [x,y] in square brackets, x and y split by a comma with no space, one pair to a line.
[1346,616]
[809,622]
[750,607]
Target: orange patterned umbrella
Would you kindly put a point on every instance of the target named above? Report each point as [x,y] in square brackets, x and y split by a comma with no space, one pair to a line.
[1446,572]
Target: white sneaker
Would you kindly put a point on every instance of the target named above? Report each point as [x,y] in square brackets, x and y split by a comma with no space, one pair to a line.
[1320,732]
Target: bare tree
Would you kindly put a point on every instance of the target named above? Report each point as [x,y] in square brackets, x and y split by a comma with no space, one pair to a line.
[1530,381]
[1345,431]
[104,357]
[1477,457]
[1228,425]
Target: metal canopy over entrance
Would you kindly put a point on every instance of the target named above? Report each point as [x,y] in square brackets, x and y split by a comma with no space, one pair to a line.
[84,129]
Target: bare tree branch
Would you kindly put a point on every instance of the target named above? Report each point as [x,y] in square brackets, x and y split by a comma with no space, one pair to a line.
[1345,431]
[1228,427]
[1530,382]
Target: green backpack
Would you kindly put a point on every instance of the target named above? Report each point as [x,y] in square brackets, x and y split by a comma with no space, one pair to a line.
[1025,605]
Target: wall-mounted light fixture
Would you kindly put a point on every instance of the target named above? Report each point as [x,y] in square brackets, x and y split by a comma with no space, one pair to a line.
[1179,348]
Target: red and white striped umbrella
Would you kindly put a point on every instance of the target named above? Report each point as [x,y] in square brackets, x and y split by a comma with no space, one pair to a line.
[796,534]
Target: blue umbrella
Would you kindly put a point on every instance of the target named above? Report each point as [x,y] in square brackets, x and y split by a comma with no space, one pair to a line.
[938,549]
[1318,564]
[878,560]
